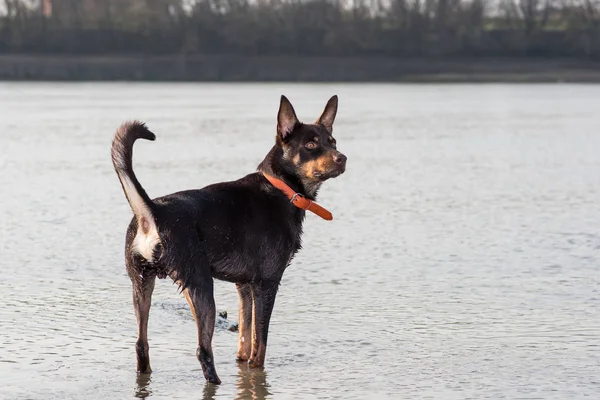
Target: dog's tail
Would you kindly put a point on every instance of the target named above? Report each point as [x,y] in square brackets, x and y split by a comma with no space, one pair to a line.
[122,153]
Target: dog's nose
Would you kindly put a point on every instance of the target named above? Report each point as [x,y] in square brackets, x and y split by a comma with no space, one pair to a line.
[339,158]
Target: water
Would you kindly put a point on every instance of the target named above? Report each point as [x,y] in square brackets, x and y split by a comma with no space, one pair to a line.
[462,262]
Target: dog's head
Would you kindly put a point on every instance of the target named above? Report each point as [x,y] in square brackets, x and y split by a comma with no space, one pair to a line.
[310,149]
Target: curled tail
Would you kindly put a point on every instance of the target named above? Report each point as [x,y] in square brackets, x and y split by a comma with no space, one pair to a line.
[141,205]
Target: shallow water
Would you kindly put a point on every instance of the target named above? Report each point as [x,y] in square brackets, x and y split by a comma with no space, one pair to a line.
[462,262]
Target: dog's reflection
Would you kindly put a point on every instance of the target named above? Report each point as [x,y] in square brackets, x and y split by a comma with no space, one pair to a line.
[210,391]
[142,389]
[252,383]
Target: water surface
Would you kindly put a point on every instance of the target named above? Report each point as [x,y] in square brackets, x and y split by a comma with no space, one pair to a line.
[462,262]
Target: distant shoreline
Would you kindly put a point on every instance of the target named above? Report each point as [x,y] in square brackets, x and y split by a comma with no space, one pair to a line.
[241,68]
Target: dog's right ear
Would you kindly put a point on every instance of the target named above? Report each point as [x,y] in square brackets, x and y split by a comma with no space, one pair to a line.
[286,119]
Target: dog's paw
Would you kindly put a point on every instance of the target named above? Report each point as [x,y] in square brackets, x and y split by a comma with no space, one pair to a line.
[144,369]
[255,363]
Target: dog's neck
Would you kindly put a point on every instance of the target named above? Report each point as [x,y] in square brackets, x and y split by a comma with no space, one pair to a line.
[276,165]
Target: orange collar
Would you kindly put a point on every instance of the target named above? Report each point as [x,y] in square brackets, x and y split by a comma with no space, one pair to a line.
[299,200]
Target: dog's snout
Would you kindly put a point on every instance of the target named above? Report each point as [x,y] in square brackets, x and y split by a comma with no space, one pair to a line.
[339,158]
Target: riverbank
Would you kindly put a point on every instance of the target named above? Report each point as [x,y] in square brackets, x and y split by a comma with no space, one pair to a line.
[237,68]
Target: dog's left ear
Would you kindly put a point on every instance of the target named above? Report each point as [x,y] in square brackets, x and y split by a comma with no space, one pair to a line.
[326,119]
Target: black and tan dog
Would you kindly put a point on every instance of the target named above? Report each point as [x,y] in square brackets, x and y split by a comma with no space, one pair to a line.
[246,231]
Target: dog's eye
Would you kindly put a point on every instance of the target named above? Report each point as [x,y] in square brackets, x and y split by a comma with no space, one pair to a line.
[310,145]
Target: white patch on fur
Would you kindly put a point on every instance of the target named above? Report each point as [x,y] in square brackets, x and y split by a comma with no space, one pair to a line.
[136,202]
[143,243]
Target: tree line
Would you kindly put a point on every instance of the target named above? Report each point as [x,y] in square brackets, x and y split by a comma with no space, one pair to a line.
[393,28]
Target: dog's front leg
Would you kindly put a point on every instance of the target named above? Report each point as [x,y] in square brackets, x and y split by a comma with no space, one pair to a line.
[245,321]
[263,294]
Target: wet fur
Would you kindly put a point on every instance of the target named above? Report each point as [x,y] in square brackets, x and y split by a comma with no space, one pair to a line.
[245,232]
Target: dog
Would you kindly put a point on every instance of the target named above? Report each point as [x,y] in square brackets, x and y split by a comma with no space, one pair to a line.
[245,231]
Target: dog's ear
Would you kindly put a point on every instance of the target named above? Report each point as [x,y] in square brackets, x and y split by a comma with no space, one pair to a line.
[326,119]
[286,119]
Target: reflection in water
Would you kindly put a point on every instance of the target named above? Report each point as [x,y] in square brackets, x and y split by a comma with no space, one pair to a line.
[210,391]
[252,384]
[142,389]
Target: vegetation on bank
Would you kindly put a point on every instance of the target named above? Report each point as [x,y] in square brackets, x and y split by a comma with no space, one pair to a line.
[415,28]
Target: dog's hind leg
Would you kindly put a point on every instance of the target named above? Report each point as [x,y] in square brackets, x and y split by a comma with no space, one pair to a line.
[202,299]
[245,321]
[264,299]
[143,286]
[203,304]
